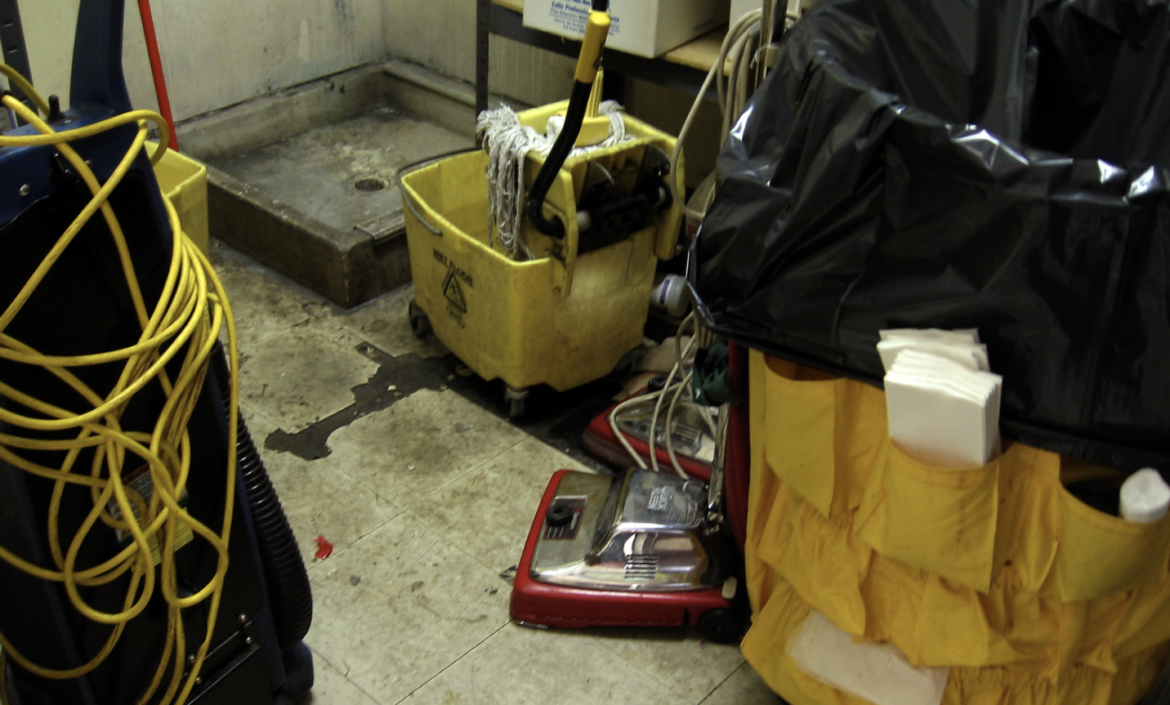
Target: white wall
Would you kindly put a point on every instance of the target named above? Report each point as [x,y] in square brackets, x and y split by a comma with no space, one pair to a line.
[441,34]
[216,53]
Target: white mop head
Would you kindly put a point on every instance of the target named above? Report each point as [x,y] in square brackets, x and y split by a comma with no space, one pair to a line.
[508,143]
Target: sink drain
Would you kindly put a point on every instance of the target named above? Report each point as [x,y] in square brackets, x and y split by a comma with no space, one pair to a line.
[370,184]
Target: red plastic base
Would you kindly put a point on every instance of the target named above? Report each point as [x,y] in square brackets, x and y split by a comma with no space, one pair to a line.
[599,440]
[534,602]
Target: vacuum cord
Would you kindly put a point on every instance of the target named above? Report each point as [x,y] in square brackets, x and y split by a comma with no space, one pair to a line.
[185,320]
[741,46]
[684,360]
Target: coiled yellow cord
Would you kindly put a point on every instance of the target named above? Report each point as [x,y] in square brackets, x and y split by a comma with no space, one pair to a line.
[186,319]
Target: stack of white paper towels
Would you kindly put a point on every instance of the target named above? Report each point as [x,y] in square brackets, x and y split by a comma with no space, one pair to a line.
[942,402]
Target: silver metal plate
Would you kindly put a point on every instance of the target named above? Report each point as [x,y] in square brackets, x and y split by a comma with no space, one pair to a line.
[640,531]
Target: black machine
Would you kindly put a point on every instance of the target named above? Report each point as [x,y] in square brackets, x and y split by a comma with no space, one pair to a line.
[256,655]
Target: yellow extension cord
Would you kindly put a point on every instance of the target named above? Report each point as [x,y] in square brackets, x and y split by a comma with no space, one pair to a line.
[190,312]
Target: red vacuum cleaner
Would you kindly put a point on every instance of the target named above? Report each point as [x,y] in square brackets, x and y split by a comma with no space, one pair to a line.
[638,549]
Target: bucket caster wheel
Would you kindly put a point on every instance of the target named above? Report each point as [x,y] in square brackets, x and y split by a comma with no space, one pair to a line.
[514,399]
[720,626]
[420,325]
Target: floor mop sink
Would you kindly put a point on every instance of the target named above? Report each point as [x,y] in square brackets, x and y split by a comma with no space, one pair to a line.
[305,180]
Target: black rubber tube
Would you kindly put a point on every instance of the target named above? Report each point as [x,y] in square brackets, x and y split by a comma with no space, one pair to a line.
[574,117]
[289,591]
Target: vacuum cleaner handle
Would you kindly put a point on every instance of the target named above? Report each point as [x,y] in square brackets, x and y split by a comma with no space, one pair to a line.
[718,465]
[588,64]
[97,57]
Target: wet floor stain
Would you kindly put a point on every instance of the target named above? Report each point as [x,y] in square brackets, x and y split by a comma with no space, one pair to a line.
[557,418]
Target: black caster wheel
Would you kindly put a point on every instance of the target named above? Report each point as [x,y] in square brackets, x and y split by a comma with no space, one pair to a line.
[298,668]
[720,627]
[514,399]
[420,325]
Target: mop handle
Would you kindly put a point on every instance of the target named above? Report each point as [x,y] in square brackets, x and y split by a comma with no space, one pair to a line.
[588,63]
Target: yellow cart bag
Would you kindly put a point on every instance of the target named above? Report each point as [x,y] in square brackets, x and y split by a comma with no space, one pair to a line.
[562,319]
[1027,594]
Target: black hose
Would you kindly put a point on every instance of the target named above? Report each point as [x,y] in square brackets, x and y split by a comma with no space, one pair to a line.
[574,117]
[289,591]
[601,5]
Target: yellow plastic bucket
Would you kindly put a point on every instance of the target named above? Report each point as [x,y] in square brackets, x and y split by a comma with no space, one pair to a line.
[184,182]
[562,319]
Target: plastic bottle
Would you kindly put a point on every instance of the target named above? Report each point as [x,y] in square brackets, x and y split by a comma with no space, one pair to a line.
[1145,497]
[670,294]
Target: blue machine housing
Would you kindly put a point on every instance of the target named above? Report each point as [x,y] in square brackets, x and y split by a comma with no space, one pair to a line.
[83,306]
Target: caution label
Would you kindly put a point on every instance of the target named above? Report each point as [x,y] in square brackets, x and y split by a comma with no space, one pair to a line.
[458,271]
[453,288]
[454,292]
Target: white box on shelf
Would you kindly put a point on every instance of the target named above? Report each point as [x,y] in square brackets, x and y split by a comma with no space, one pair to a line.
[646,28]
[739,8]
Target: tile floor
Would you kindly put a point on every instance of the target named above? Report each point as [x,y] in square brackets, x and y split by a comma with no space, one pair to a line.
[428,501]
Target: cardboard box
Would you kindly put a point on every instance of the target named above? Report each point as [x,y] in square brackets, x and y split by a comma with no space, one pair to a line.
[643,27]
[739,8]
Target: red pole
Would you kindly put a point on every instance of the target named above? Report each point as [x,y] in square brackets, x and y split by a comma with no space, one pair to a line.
[156,70]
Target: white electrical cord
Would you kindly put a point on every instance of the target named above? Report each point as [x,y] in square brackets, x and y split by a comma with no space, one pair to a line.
[742,46]
[685,357]
[508,143]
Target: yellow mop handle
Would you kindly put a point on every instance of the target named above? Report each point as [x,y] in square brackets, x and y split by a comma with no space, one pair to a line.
[593,44]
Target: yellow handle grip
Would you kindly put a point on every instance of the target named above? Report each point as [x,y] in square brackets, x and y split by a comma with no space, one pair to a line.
[590,59]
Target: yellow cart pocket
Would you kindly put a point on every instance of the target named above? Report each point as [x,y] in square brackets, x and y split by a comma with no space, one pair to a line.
[801,407]
[938,519]
[1100,555]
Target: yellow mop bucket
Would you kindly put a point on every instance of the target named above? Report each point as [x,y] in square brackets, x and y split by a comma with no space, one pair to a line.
[569,313]
[563,318]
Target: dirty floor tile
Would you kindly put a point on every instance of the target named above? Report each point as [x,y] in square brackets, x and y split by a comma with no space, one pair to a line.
[263,302]
[676,658]
[383,323]
[319,498]
[489,511]
[744,687]
[400,606]
[521,665]
[420,444]
[331,687]
[301,375]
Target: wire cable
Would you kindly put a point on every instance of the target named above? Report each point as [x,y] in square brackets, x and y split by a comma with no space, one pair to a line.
[676,391]
[741,45]
[183,325]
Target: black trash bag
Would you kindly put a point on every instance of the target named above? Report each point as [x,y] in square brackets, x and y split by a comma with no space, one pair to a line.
[963,164]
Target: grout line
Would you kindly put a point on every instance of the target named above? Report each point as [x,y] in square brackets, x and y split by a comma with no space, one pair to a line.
[720,683]
[318,655]
[603,643]
[339,550]
[457,660]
